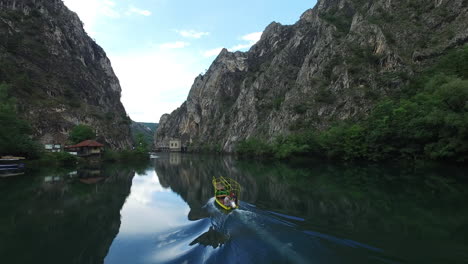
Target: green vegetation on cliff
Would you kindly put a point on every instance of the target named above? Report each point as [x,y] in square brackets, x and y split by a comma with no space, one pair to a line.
[147,130]
[14,132]
[81,133]
[429,120]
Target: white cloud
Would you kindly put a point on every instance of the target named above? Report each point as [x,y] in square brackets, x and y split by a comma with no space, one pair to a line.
[174,45]
[154,80]
[133,10]
[241,46]
[212,52]
[192,33]
[90,11]
[251,39]
[108,2]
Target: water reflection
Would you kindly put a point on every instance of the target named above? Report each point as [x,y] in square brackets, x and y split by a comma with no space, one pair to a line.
[52,217]
[312,212]
[141,208]
[211,238]
[289,213]
[181,224]
[91,174]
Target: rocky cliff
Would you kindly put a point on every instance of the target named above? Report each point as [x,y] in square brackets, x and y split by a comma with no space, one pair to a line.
[340,58]
[58,74]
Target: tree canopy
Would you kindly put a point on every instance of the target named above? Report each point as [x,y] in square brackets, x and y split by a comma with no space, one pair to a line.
[141,144]
[15,133]
[81,133]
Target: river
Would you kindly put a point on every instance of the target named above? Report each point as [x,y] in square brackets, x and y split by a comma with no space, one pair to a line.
[290,212]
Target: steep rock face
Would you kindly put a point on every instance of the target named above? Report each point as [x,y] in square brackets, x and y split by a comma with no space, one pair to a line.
[333,64]
[58,74]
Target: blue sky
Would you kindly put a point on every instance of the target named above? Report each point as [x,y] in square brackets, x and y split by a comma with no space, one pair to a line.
[158,47]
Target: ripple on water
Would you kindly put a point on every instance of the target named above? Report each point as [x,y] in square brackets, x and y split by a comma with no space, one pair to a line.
[248,235]
[173,221]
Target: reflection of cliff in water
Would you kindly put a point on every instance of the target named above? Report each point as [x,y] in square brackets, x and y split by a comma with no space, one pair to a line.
[61,220]
[191,175]
[211,238]
[264,185]
[349,197]
[91,174]
[191,178]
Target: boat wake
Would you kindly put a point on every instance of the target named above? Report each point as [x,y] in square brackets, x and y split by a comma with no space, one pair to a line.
[250,235]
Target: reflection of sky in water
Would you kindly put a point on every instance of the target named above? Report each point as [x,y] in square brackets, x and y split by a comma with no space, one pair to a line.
[155,229]
[150,207]
[149,211]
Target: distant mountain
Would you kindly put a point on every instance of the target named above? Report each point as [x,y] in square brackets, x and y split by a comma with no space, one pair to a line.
[146,129]
[152,126]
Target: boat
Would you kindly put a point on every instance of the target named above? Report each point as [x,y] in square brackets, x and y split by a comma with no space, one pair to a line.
[10,166]
[224,186]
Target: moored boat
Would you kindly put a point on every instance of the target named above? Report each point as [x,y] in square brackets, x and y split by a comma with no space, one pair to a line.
[11,166]
[226,192]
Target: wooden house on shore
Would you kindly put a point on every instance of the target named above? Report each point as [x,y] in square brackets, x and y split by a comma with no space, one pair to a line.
[87,148]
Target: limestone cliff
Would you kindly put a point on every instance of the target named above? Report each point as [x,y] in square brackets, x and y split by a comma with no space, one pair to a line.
[58,74]
[333,64]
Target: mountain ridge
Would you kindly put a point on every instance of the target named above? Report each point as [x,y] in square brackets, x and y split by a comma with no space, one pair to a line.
[335,63]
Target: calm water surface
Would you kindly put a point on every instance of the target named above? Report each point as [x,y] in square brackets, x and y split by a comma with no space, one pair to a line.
[302,212]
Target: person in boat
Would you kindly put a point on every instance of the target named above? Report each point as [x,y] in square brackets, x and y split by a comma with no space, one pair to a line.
[234,197]
[230,200]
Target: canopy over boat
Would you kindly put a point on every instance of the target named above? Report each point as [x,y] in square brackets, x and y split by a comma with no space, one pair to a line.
[226,192]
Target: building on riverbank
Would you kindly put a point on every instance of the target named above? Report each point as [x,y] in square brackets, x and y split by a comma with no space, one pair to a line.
[56,147]
[175,145]
[87,148]
[172,145]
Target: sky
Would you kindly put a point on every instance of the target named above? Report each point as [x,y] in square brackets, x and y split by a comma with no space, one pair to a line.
[158,47]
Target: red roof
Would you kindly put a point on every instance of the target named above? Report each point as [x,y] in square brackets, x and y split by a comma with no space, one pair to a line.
[87,143]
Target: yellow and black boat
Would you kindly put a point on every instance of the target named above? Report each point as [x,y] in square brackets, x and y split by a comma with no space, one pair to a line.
[226,192]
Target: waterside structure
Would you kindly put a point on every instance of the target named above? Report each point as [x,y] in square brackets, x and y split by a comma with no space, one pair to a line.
[87,148]
[173,145]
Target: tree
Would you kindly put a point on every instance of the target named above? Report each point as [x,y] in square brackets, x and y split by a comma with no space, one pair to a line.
[80,133]
[14,132]
[141,144]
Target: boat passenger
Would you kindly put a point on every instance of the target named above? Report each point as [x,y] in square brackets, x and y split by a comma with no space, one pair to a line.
[233,197]
[230,200]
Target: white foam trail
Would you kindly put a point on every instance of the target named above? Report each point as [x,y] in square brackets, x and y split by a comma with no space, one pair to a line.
[248,219]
